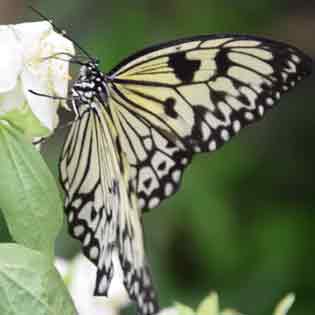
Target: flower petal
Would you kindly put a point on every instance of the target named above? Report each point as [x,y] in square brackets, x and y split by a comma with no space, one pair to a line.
[11,100]
[44,108]
[30,36]
[285,304]
[10,59]
[43,74]
[58,69]
[169,311]
[62,266]
[210,305]
[82,287]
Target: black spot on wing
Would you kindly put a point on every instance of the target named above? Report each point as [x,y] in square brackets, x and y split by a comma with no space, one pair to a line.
[184,69]
[147,183]
[162,166]
[169,107]
[223,62]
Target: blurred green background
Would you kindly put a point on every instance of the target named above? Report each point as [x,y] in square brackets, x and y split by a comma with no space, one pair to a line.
[244,221]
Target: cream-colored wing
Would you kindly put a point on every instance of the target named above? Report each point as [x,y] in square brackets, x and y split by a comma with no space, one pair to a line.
[193,95]
[102,207]
[89,179]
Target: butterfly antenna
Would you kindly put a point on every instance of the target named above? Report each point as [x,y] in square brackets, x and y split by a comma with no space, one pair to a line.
[60,31]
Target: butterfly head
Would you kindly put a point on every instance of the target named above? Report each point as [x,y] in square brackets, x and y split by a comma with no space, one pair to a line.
[91,84]
[90,70]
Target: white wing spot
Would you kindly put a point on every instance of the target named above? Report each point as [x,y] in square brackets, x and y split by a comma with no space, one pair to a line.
[136,288]
[236,126]
[148,143]
[284,76]
[169,188]
[278,95]
[103,285]
[141,202]
[161,158]
[296,58]
[292,67]
[77,203]
[261,110]
[225,135]
[205,131]
[70,217]
[249,116]
[176,176]
[184,161]
[87,239]
[146,173]
[269,101]
[94,252]
[212,145]
[145,309]
[151,308]
[78,230]
[154,202]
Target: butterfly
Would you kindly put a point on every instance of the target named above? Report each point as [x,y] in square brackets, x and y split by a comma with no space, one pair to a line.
[138,127]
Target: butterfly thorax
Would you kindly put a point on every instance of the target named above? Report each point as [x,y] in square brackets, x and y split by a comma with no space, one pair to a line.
[90,85]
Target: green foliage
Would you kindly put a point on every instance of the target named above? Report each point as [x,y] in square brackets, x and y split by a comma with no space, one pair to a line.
[29,197]
[29,284]
[32,208]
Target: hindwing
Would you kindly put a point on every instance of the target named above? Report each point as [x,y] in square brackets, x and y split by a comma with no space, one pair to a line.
[102,207]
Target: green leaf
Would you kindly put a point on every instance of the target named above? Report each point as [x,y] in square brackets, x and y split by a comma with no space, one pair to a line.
[24,119]
[29,284]
[29,197]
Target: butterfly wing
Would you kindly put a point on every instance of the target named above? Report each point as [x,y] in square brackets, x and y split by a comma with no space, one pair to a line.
[136,271]
[193,95]
[101,205]
[91,202]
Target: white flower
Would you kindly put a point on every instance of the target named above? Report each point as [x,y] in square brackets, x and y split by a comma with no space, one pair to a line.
[25,65]
[209,306]
[80,278]
[169,311]
[285,304]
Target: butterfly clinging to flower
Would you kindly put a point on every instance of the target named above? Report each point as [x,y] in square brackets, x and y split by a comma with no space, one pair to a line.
[137,128]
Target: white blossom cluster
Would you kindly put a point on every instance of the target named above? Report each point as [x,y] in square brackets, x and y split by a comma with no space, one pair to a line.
[27,63]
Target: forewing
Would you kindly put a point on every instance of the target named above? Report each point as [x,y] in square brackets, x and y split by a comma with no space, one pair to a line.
[91,202]
[193,95]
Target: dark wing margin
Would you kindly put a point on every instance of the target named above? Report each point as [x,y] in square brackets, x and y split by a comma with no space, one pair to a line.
[193,95]
[217,40]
